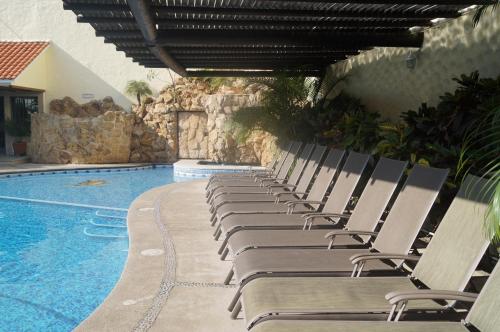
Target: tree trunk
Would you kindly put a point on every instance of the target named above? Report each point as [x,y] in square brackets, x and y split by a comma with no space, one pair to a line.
[139,99]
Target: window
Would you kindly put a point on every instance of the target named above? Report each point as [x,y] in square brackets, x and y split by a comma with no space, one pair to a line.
[22,107]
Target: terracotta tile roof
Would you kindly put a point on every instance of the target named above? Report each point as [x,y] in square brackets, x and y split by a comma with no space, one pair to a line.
[16,56]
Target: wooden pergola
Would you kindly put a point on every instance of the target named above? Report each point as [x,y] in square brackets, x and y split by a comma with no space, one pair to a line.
[258,37]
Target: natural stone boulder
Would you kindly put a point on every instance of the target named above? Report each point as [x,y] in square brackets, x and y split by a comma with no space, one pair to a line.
[67,106]
[64,139]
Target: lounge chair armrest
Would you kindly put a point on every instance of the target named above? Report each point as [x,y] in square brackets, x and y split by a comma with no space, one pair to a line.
[313,215]
[310,217]
[281,193]
[358,258]
[262,175]
[299,202]
[291,204]
[284,185]
[335,233]
[272,178]
[429,294]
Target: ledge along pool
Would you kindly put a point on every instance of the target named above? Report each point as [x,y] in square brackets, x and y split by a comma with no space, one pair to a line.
[64,242]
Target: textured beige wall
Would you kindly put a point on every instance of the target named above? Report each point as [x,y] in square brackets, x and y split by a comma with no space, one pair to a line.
[382,81]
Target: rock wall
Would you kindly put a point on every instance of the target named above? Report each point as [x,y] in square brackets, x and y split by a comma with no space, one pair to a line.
[98,132]
[189,120]
[202,113]
[154,138]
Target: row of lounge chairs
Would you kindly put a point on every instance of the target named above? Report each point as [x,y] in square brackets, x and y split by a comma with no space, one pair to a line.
[307,258]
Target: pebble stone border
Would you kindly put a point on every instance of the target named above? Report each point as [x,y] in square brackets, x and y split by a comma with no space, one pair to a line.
[168,280]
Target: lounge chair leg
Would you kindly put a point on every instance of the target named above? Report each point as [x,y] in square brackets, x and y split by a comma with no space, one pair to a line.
[236,310]
[235,300]
[223,245]
[224,254]
[217,236]
[228,278]
[213,219]
[217,230]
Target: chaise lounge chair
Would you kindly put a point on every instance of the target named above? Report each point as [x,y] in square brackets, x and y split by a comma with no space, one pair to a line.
[272,168]
[256,181]
[396,236]
[276,192]
[369,209]
[445,266]
[483,316]
[345,185]
[309,204]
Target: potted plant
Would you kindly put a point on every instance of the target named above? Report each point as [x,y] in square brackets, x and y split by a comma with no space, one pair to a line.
[18,130]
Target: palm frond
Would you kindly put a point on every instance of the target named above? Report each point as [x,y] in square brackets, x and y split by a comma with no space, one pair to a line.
[482,10]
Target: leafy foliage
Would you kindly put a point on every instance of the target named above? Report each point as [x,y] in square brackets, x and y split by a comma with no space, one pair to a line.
[480,154]
[18,129]
[216,82]
[138,89]
[482,10]
[462,132]
[284,109]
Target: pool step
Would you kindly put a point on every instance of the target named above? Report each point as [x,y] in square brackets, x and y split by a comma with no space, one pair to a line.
[109,236]
[104,215]
[106,225]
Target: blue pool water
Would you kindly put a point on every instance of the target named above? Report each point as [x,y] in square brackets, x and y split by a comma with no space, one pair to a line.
[54,270]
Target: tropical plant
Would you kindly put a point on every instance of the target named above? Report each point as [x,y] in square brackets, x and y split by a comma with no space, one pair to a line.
[18,128]
[480,154]
[216,82]
[138,89]
[284,109]
[481,10]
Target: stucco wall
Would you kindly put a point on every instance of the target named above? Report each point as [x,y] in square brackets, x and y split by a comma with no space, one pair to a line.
[382,81]
[79,62]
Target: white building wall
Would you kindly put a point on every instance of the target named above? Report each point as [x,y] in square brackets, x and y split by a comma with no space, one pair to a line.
[381,79]
[80,64]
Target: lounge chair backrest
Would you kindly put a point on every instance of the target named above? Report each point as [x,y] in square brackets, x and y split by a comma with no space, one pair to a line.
[326,174]
[300,164]
[282,157]
[274,160]
[376,195]
[459,242]
[410,209]
[311,168]
[346,182]
[484,312]
[289,159]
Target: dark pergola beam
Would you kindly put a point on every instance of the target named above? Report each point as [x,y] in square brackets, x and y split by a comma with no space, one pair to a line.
[251,73]
[261,13]
[257,66]
[123,7]
[145,21]
[219,53]
[402,2]
[246,50]
[181,23]
[263,57]
[275,38]
[119,34]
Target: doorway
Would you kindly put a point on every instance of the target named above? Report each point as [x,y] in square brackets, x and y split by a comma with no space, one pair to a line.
[192,136]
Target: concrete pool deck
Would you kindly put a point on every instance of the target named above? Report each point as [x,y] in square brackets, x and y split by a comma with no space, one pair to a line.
[173,277]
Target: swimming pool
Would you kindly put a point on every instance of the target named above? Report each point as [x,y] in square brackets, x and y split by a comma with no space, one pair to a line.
[58,262]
